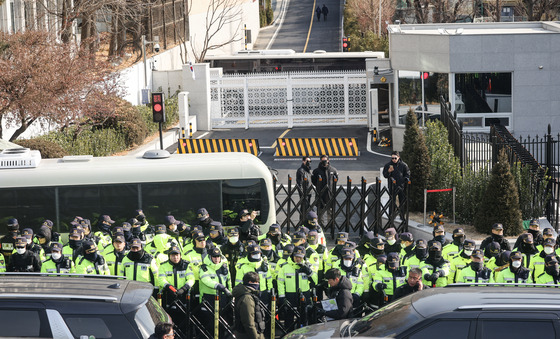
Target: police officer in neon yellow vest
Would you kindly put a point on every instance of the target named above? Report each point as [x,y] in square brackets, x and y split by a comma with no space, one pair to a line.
[139,265]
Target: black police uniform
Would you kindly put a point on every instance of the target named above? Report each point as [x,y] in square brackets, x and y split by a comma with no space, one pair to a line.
[26,262]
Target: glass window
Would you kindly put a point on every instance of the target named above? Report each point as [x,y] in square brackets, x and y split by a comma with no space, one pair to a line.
[411,91]
[181,199]
[387,321]
[29,205]
[244,193]
[148,316]
[518,329]
[483,92]
[20,323]
[451,329]
[88,326]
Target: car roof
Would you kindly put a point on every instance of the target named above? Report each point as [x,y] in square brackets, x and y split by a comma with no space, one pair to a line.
[438,300]
[129,294]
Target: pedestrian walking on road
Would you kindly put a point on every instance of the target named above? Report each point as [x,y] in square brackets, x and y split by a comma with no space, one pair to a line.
[318,11]
[325,11]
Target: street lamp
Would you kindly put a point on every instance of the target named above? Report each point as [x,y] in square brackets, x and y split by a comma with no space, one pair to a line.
[156,48]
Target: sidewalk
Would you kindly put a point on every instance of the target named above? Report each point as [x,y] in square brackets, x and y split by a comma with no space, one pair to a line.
[170,138]
[266,34]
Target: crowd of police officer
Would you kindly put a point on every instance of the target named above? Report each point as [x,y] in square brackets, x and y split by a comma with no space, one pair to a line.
[206,260]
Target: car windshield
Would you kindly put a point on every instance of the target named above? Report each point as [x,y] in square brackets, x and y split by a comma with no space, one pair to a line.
[387,321]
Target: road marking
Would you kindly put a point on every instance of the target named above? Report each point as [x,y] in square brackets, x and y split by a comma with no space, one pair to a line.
[203,135]
[281,136]
[280,23]
[310,25]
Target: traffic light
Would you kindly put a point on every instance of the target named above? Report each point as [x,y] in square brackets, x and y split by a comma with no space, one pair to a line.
[345,44]
[158,107]
[425,75]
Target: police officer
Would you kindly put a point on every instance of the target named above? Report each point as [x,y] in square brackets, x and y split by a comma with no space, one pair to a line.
[391,277]
[204,220]
[537,263]
[420,255]
[435,268]
[91,262]
[55,236]
[24,260]
[354,271]
[377,248]
[175,276]
[74,246]
[364,246]
[160,243]
[271,256]
[136,231]
[491,252]
[501,263]
[233,249]
[295,280]
[216,234]
[254,262]
[451,250]
[515,272]
[535,231]
[547,233]
[496,236]
[300,239]
[57,263]
[461,261]
[215,278]
[336,253]
[312,224]
[527,249]
[145,227]
[439,235]
[43,238]
[407,246]
[247,229]
[475,272]
[114,254]
[8,241]
[104,233]
[278,239]
[27,233]
[286,254]
[551,274]
[392,243]
[139,265]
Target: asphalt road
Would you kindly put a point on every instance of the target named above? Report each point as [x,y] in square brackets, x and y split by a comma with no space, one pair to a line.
[366,165]
[301,31]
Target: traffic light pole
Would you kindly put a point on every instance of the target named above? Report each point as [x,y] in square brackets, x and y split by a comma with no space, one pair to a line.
[161,134]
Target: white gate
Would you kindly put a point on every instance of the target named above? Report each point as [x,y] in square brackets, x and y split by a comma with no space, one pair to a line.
[288,99]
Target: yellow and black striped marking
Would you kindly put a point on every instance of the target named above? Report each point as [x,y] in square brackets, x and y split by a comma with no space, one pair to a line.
[293,147]
[188,146]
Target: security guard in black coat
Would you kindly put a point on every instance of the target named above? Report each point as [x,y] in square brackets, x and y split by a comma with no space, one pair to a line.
[24,260]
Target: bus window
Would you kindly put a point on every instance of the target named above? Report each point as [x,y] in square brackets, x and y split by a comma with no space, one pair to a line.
[238,194]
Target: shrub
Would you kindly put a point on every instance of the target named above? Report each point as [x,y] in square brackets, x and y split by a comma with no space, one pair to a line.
[470,192]
[445,168]
[415,154]
[533,193]
[500,203]
[47,148]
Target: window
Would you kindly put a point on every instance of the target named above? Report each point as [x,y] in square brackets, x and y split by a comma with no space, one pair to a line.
[483,92]
[88,326]
[23,323]
[450,329]
[412,85]
[518,329]
[148,316]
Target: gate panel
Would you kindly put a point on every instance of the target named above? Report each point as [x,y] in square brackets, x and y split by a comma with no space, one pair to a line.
[288,99]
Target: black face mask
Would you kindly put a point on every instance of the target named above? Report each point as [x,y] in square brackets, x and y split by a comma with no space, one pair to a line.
[324,163]
[421,252]
[377,251]
[136,230]
[435,255]
[440,239]
[459,240]
[135,255]
[497,237]
[525,247]
[534,233]
[308,164]
[105,227]
[128,236]
[392,266]
[266,253]
[275,238]
[477,266]
[75,243]
[91,256]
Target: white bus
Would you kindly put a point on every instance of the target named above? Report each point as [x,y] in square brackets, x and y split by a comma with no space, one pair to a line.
[178,185]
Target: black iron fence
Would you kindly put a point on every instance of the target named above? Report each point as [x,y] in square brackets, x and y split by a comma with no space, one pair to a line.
[480,152]
[343,207]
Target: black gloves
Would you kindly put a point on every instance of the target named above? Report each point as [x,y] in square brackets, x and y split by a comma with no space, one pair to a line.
[380,286]
[441,273]
[306,269]
[264,267]
[356,271]
[432,277]
[183,290]
[220,287]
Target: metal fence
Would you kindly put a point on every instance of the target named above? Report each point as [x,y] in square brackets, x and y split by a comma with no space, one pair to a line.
[480,152]
[342,208]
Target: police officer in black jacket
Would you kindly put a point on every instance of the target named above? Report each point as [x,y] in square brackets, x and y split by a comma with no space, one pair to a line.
[24,260]
[496,236]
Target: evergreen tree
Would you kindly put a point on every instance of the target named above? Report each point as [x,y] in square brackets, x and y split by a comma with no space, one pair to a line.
[415,154]
[500,204]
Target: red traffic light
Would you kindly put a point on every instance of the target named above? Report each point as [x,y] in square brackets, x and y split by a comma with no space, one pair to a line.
[345,45]
[425,75]
[157,107]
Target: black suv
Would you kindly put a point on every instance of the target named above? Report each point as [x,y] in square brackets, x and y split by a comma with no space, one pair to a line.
[457,312]
[35,306]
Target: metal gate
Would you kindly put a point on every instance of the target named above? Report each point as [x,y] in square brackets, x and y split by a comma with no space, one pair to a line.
[288,99]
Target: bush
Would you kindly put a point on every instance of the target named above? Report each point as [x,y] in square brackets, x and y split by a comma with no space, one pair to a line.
[471,189]
[533,193]
[47,148]
[500,203]
[415,155]
[445,168]
[96,142]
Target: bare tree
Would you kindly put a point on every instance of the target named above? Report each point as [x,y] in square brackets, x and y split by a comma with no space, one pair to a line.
[219,15]
[537,10]
[367,14]
[44,81]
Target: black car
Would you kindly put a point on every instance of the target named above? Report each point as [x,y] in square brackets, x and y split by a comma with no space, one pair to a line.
[455,312]
[35,306]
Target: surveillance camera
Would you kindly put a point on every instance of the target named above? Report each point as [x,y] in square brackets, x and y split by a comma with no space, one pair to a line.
[156,48]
